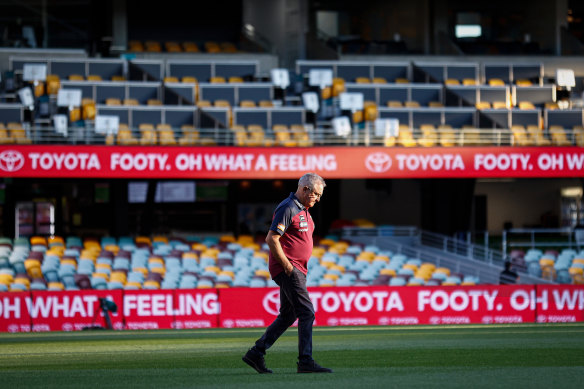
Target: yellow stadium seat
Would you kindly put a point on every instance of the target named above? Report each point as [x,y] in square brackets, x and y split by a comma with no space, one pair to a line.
[483,105]
[410,266]
[142,270]
[523,82]
[152,284]
[500,105]
[56,285]
[190,135]
[214,269]
[443,270]
[387,272]
[331,276]
[496,82]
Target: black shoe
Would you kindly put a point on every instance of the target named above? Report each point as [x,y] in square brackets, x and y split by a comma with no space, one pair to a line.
[257,362]
[312,367]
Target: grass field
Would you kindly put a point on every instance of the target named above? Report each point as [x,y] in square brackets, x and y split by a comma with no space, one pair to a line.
[474,356]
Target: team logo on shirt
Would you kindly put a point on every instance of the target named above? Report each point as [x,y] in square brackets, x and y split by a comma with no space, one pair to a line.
[302,225]
[281,227]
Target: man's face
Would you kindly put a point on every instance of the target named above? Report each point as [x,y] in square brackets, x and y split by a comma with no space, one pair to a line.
[311,196]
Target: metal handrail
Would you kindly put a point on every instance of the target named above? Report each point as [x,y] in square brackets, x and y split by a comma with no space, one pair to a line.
[462,248]
[395,231]
[561,238]
[321,136]
[429,239]
[457,255]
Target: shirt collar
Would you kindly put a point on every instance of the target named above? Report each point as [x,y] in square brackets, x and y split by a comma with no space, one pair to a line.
[293,197]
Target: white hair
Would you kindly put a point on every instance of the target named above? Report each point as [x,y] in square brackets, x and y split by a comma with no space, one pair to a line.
[310,180]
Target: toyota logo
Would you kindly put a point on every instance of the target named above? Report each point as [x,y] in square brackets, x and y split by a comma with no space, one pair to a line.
[11,160]
[378,162]
[271,302]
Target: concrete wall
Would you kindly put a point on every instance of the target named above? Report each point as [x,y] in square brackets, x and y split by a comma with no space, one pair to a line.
[282,22]
[523,202]
[401,206]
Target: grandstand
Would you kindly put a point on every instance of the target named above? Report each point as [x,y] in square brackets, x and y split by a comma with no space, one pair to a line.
[439,134]
[365,256]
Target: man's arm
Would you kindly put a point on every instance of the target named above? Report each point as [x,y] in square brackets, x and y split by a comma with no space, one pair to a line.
[273,241]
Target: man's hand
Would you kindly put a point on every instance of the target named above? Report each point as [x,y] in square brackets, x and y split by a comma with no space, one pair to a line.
[273,241]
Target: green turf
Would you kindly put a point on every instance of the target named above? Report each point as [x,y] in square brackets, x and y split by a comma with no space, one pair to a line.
[509,356]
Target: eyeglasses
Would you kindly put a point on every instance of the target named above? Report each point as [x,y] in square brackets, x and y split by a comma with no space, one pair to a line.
[314,193]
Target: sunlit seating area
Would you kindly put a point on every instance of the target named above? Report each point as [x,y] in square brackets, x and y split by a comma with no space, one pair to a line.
[164,262]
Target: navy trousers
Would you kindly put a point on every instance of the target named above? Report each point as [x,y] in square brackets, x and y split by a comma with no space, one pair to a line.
[294,304]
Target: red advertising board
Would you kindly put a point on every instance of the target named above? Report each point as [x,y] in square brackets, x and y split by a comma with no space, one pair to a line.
[248,307]
[258,307]
[72,310]
[196,308]
[387,306]
[14,316]
[180,308]
[560,303]
[280,162]
[149,309]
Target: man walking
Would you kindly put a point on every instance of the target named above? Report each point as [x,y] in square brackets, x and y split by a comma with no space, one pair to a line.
[290,242]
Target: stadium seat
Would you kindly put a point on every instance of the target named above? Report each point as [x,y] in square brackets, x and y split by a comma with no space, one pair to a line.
[520,137]
[113,101]
[558,136]
[496,82]
[483,105]
[523,82]
[131,102]
[190,47]
[537,136]
[394,104]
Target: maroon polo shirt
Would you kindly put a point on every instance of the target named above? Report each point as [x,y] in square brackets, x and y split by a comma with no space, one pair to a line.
[293,223]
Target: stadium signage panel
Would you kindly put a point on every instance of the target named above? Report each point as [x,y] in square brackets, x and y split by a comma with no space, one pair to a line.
[14,316]
[278,162]
[390,306]
[257,307]
[71,310]
[180,308]
[261,307]
[195,308]
[560,303]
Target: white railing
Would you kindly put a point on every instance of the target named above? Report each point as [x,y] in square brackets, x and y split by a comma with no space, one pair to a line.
[310,137]
[457,255]
[538,238]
